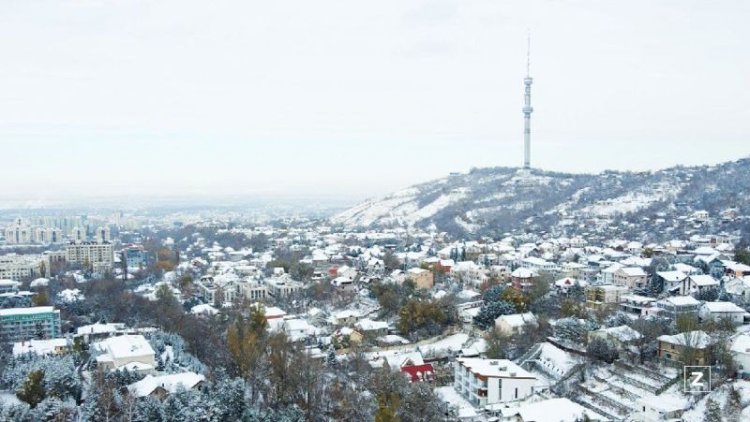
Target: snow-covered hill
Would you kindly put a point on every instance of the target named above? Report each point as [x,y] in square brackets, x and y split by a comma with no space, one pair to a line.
[497,200]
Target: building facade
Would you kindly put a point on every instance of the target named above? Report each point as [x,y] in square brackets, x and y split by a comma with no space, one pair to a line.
[21,324]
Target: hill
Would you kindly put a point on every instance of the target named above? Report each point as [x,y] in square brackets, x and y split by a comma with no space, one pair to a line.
[494,201]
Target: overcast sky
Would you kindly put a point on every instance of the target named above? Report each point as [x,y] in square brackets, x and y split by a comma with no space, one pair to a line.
[358,98]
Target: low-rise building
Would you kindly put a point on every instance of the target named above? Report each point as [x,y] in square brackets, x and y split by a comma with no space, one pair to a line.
[631,277]
[53,346]
[690,348]
[489,381]
[162,385]
[422,278]
[127,351]
[715,311]
[673,307]
[516,323]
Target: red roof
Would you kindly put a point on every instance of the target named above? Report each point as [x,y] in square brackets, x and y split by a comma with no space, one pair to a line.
[419,373]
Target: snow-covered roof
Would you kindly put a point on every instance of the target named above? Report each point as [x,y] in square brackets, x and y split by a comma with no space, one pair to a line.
[563,410]
[523,273]
[99,328]
[741,344]
[723,307]
[497,368]
[672,276]
[203,309]
[695,339]
[633,271]
[370,325]
[517,320]
[169,382]
[26,311]
[681,301]
[39,347]
[704,280]
[622,333]
[125,346]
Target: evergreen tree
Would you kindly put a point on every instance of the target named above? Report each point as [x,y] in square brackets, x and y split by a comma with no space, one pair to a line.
[33,391]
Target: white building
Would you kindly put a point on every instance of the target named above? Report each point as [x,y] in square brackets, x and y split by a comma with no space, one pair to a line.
[99,257]
[715,311]
[128,351]
[490,381]
[740,349]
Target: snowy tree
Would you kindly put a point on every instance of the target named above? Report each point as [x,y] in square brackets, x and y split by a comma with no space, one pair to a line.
[490,311]
[713,411]
[331,360]
[599,349]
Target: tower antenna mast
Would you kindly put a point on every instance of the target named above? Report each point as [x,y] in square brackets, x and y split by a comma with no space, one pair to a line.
[527,109]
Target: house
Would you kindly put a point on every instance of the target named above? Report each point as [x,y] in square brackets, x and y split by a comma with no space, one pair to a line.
[631,277]
[515,323]
[605,295]
[735,269]
[370,328]
[296,330]
[54,346]
[127,351]
[557,410]
[673,281]
[673,307]
[619,337]
[699,283]
[738,288]
[562,285]
[664,407]
[740,350]
[675,348]
[715,311]
[523,278]
[422,278]
[419,373]
[636,304]
[343,283]
[607,275]
[345,318]
[162,385]
[98,331]
[489,381]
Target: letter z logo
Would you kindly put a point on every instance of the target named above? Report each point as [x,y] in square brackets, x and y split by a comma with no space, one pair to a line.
[697,379]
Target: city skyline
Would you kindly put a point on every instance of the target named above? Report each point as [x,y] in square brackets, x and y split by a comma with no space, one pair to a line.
[358,101]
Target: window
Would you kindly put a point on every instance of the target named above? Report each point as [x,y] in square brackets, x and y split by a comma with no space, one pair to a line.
[516,392]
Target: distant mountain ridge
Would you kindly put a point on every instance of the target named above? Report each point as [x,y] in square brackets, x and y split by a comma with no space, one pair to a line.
[492,201]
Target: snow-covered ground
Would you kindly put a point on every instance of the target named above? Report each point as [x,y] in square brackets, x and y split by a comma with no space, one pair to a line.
[449,395]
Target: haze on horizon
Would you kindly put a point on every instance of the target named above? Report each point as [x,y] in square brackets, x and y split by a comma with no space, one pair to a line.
[357,99]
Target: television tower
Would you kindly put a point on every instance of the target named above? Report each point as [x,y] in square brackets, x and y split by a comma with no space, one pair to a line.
[527,109]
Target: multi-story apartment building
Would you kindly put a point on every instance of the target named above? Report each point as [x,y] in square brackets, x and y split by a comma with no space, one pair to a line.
[99,257]
[489,381]
[20,267]
[282,286]
[21,324]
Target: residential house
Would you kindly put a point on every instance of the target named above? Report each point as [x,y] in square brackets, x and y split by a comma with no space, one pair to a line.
[488,381]
[636,304]
[700,283]
[738,288]
[673,307]
[631,277]
[675,348]
[162,385]
[54,346]
[523,278]
[515,323]
[370,328]
[715,311]
[620,337]
[740,350]
[422,278]
[673,281]
[605,295]
[127,351]
[556,409]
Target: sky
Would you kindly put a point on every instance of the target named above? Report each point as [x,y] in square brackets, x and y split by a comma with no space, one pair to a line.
[355,99]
